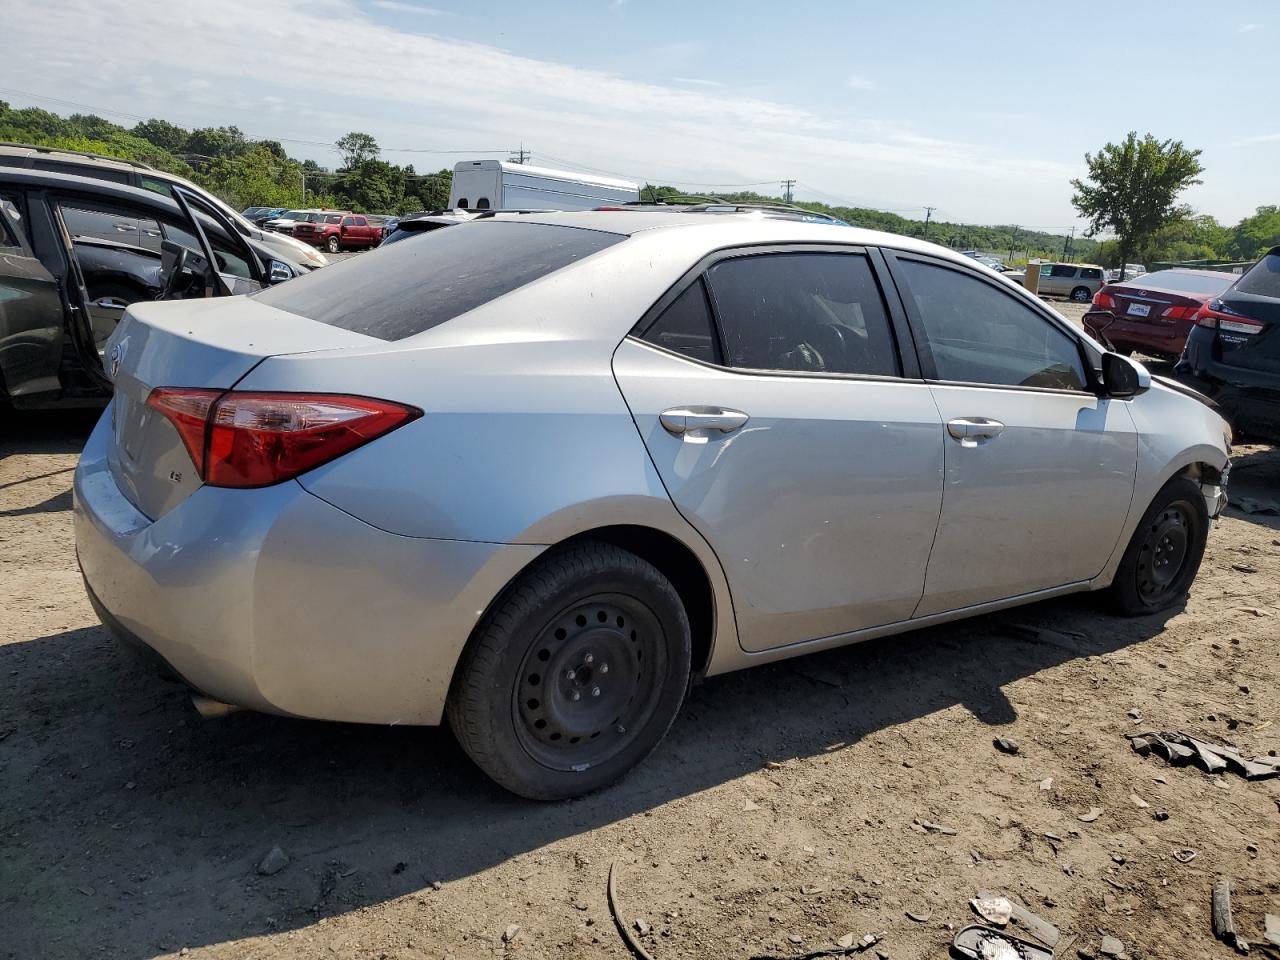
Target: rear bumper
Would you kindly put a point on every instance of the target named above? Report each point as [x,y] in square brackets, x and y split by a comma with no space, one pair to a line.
[273,599]
[1164,340]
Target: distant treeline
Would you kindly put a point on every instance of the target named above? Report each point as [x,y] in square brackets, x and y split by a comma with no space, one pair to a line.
[247,172]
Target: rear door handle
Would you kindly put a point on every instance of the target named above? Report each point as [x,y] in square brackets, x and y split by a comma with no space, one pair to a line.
[971,431]
[701,422]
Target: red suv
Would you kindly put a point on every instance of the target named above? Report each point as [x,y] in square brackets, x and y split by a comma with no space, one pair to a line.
[339,230]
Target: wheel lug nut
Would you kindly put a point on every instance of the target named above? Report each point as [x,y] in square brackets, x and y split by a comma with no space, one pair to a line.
[588,658]
[575,695]
[595,691]
[569,675]
[604,668]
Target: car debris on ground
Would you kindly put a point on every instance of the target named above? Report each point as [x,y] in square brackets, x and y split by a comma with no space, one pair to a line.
[1181,748]
[983,943]
[1223,925]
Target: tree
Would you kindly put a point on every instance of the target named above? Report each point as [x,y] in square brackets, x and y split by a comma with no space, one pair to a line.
[162,133]
[357,148]
[1134,187]
[1255,235]
[217,142]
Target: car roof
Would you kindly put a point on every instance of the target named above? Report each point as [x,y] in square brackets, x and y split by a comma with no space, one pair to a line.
[89,185]
[1190,271]
[77,156]
[745,227]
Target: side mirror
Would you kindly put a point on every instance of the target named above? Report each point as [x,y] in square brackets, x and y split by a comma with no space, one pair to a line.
[1123,378]
[280,272]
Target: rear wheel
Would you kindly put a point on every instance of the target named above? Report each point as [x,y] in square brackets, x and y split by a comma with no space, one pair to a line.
[575,675]
[334,245]
[1164,555]
[1081,295]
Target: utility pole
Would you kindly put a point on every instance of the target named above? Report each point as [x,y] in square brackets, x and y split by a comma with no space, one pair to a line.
[1014,242]
[786,189]
[928,212]
[521,155]
[1066,245]
[304,188]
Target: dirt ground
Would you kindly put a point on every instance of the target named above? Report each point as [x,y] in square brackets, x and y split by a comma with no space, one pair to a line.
[785,810]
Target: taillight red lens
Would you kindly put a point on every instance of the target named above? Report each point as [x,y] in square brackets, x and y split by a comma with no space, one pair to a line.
[1180,313]
[257,439]
[188,411]
[1104,301]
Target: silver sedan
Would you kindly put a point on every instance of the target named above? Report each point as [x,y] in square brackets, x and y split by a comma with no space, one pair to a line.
[536,472]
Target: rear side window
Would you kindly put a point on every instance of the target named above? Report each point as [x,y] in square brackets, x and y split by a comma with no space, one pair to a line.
[685,326]
[810,312]
[412,287]
[1263,278]
[1062,270]
[979,334]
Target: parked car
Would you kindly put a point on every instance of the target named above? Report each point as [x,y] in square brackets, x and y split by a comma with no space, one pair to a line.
[533,472]
[260,215]
[64,286]
[338,230]
[1131,272]
[1153,315]
[1078,281]
[1233,351]
[416,224]
[289,220]
[137,174]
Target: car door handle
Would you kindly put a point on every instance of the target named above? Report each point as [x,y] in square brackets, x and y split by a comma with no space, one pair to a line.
[971,431]
[701,421]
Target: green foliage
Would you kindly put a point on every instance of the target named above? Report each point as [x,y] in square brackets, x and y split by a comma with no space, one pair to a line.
[1255,235]
[162,133]
[357,148]
[1133,189]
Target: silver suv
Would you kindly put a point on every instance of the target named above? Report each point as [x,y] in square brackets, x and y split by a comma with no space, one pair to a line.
[1078,281]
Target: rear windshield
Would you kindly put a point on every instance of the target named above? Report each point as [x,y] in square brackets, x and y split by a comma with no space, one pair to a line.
[1183,282]
[411,287]
[1263,279]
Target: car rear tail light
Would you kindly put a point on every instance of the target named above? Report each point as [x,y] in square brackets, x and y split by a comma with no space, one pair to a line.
[1180,313]
[1212,316]
[243,439]
[1104,301]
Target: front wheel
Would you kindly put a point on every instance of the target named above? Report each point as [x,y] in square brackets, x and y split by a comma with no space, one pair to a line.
[1164,555]
[1081,295]
[334,245]
[575,675]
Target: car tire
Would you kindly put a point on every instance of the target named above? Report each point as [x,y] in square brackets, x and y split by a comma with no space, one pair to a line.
[334,245]
[575,674]
[1081,295]
[1164,553]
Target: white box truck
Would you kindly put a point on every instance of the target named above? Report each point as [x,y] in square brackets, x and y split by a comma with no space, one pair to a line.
[504,185]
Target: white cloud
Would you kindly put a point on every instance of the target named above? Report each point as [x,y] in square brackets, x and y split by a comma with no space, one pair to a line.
[698,82]
[399,6]
[859,83]
[1249,28]
[449,94]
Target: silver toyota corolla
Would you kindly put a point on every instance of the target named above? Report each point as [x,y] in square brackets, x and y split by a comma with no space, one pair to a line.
[535,472]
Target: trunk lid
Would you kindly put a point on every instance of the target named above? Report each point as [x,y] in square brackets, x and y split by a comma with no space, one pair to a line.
[191,343]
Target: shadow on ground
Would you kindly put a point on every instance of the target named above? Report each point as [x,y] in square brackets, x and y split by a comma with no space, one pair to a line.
[131,826]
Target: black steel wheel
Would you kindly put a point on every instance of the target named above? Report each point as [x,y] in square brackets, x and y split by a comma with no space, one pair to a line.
[574,675]
[587,684]
[1164,554]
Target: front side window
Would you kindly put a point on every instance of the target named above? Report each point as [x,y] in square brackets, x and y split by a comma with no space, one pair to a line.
[349,221]
[979,334]
[10,223]
[809,312]
[162,187]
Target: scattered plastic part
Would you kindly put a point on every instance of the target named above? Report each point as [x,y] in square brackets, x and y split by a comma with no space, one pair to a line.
[983,943]
[1180,748]
[866,943]
[634,945]
[1042,930]
[993,909]
[1224,927]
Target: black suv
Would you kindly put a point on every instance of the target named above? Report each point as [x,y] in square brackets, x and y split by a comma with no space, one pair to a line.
[74,252]
[1233,351]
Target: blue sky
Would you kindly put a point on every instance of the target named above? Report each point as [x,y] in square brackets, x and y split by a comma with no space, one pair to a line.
[983,110]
